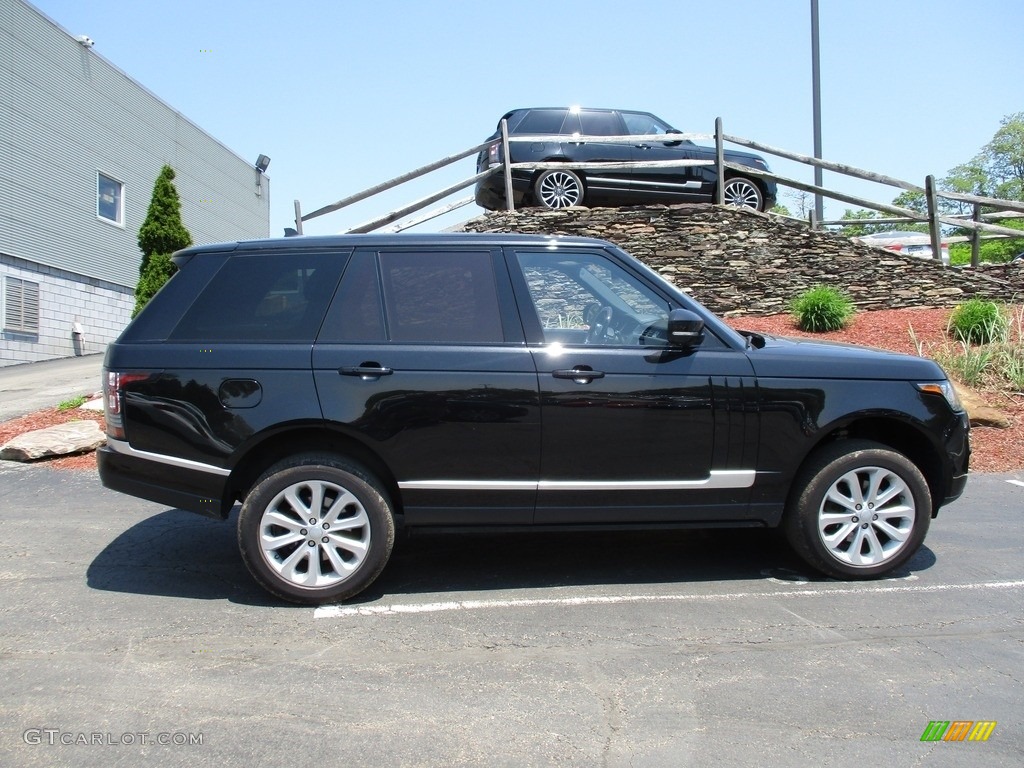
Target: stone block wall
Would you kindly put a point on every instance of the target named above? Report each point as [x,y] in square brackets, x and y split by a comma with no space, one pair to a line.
[737,261]
[101,309]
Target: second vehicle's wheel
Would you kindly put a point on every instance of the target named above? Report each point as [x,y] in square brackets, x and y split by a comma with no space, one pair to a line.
[743,193]
[858,510]
[558,189]
[316,529]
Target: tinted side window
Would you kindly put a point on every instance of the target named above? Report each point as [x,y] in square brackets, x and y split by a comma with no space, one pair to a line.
[568,293]
[600,124]
[542,121]
[641,124]
[441,297]
[263,297]
[357,313]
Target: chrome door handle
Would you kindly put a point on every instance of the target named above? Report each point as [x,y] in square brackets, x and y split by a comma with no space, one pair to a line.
[365,371]
[581,375]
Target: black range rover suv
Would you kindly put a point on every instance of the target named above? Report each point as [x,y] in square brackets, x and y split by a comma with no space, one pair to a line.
[342,386]
[555,133]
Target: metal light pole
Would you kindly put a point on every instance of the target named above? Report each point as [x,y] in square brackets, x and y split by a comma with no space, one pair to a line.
[819,208]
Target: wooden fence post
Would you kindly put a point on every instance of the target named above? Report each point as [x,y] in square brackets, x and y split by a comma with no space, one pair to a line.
[298,217]
[510,204]
[934,227]
[719,163]
[976,238]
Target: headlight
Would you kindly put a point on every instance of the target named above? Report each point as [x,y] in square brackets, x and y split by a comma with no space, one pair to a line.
[943,388]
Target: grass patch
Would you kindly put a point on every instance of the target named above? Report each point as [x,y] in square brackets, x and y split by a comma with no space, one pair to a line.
[821,309]
[75,402]
[978,322]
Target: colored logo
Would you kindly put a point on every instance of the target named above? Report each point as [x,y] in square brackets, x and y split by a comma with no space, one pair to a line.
[958,730]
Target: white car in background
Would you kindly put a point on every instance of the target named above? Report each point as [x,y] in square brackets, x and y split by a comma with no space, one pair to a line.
[916,244]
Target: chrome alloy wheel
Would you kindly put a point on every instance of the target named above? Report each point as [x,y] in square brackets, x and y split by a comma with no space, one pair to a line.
[867,516]
[314,534]
[743,193]
[559,189]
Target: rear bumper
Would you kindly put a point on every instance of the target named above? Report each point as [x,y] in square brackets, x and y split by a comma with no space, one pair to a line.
[490,192]
[174,486]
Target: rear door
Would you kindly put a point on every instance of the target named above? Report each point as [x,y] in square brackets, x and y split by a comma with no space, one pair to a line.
[610,183]
[422,361]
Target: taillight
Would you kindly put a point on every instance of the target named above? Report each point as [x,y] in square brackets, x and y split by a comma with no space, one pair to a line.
[894,247]
[113,399]
[494,154]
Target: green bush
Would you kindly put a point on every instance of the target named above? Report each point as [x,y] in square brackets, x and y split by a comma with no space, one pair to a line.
[821,309]
[978,322]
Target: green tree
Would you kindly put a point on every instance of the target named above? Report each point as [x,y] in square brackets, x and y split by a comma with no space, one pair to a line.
[1004,157]
[161,234]
[859,225]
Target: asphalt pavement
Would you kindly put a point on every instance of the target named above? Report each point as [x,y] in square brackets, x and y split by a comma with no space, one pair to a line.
[31,387]
[132,634]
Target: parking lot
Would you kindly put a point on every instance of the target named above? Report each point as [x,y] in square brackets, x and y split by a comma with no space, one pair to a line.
[133,632]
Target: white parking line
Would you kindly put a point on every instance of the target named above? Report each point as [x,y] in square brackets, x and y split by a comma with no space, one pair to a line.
[1016,482]
[346,611]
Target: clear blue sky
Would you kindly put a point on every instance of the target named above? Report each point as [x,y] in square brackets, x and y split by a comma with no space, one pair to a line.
[332,90]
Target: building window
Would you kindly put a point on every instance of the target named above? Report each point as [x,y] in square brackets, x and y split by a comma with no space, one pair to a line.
[21,305]
[109,199]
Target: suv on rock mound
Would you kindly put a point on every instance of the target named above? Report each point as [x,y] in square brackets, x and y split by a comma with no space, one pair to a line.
[342,386]
[553,136]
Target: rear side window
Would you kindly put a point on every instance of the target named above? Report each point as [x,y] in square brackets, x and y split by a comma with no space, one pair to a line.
[543,121]
[444,297]
[600,124]
[264,297]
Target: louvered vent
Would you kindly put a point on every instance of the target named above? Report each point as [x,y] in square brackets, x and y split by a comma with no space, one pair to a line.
[21,305]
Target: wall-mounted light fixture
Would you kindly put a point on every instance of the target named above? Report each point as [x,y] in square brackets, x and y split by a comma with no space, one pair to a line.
[261,167]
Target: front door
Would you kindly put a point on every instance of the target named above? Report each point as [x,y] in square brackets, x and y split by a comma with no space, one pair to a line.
[632,429]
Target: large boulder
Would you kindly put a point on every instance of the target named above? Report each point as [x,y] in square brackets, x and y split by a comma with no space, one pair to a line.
[980,413]
[60,440]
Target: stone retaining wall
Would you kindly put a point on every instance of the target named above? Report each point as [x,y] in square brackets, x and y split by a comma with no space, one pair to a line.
[737,261]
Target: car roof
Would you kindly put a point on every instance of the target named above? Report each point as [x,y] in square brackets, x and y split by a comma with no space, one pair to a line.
[581,109]
[894,235]
[483,240]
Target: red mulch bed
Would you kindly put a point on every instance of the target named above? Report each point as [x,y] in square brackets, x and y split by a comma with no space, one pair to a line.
[994,450]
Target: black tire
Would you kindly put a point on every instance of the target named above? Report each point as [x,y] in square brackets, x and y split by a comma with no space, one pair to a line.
[558,188]
[827,528]
[340,553]
[743,193]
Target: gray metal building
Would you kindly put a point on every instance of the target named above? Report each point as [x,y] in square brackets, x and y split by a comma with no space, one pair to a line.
[81,145]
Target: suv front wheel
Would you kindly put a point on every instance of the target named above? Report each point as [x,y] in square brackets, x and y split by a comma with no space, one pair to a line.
[743,193]
[558,188]
[316,529]
[858,510]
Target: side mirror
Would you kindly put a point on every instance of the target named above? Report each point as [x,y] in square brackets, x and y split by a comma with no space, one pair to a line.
[685,328]
[675,143]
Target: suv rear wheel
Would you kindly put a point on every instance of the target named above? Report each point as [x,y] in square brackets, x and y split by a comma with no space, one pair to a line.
[858,510]
[558,188]
[316,529]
